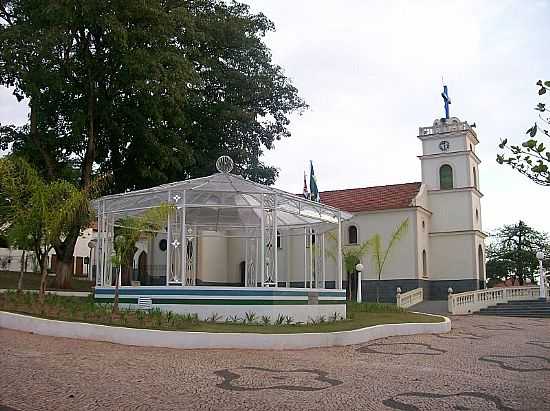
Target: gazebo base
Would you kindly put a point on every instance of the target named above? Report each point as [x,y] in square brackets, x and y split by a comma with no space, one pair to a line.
[222,303]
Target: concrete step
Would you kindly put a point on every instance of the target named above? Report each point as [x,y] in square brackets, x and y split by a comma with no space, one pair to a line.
[527,315]
[526,302]
[518,307]
[496,312]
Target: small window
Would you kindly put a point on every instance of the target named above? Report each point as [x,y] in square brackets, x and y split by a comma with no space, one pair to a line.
[352,234]
[475,177]
[162,245]
[423,225]
[471,148]
[279,240]
[477,214]
[424,264]
[446,177]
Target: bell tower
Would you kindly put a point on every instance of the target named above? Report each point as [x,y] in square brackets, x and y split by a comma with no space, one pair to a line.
[450,174]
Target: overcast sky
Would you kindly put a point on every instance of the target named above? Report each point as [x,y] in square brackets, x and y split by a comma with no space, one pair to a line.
[371,73]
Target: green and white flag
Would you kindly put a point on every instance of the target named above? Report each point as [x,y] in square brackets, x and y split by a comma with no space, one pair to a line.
[313,189]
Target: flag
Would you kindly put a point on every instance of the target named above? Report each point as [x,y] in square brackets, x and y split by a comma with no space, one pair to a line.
[313,184]
[306,193]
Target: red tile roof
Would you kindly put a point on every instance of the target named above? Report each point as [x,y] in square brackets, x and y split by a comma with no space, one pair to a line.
[372,198]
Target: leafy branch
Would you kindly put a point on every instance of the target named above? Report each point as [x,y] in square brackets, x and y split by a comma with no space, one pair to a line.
[532,157]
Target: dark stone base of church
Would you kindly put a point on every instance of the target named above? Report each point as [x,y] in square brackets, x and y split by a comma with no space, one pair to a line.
[433,290]
[438,289]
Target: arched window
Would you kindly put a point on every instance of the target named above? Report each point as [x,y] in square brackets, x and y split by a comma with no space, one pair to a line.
[352,234]
[424,264]
[279,240]
[445,177]
[475,177]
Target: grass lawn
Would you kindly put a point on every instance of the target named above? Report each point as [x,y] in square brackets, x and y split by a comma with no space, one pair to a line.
[86,310]
[31,281]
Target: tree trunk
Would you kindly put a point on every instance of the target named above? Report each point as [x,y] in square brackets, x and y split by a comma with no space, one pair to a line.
[21,272]
[44,276]
[64,254]
[115,300]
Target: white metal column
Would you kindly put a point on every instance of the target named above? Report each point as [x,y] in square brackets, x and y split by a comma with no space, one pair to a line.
[183,242]
[168,243]
[262,240]
[305,257]
[339,252]
[323,262]
[311,258]
[275,248]
[246,262]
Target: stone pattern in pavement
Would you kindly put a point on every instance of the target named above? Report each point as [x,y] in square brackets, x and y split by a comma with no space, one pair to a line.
[484,363]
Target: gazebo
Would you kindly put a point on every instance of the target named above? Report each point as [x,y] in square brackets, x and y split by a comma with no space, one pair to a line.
[230,246]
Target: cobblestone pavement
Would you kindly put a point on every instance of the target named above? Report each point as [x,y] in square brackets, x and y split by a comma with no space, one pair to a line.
[485,363]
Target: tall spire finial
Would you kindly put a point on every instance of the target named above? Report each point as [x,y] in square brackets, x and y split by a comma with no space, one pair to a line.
[446,99]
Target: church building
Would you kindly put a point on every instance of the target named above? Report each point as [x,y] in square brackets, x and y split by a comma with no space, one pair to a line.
[443,246]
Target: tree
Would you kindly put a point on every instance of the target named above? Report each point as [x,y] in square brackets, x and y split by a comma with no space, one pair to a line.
[380,256]
[513,252]
[150,92]
[351,256]
[532,157]
[131,229]
[40,213]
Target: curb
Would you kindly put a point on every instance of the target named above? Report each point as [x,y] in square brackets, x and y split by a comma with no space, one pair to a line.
[195,340]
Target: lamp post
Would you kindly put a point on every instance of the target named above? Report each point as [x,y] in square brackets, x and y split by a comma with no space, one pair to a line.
[542,279]
[359,268]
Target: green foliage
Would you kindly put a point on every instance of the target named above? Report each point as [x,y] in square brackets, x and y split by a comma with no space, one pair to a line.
[39,213]
[512,252]
[250,317]
[150,91]
[130,229]
[532,157]
[86,309]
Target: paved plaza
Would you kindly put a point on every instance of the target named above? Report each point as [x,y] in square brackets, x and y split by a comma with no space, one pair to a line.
[485,363]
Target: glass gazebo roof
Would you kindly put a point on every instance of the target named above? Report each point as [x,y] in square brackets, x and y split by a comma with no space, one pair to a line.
[225,201]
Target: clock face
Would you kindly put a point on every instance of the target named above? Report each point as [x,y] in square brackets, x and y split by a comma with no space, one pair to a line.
[444,145]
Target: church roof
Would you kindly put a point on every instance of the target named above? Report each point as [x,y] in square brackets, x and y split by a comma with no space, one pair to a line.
[356,200]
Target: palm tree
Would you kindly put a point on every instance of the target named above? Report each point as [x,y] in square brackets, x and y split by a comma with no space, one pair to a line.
[40,213]
[131,229]
[380,255]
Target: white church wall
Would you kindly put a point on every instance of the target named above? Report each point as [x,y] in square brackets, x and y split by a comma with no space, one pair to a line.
[235,255]
[452,210]
[476,213]
[212,256]
[423,228]
[453,256]
[401,262]
[459,163]
[457,142]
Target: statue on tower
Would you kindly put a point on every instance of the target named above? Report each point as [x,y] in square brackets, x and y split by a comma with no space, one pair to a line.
[446,100]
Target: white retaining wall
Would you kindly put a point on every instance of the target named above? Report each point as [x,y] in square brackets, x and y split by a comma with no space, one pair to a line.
[193,340]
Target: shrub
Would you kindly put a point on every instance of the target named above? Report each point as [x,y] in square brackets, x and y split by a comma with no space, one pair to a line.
[266,320]
[280,320]
[213,318]
[249,317]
